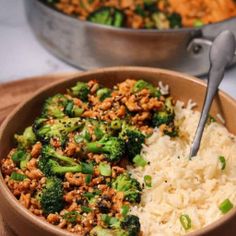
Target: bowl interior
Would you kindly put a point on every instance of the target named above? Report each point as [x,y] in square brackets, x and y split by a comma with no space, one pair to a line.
[182,87]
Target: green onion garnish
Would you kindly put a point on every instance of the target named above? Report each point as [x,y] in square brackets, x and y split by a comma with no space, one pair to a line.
[105,169]
[139,161]
[116,124]
[86,209]
[185,222]
[124,210]
[198,23]
[18,156]
[87,168]
[148,180]
[223,162]
[88,179]
[17,176]
[226,206]
[71,216]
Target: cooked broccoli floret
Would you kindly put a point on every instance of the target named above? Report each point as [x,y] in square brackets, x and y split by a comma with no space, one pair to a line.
[175,20]
[128,226]
[131,225]
[54,106]
[51,167]
[49,152]
[20,157]
[133,139]
[103,93]
[129,186]
[112,147]
[51,199]
[92,126]
[99,231]
[107,16]
[141,84]
[49,163]
[81,90]
[164,116]
[27,139]
[58,128]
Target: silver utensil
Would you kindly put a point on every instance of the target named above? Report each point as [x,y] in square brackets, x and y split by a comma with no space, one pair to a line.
[221,55]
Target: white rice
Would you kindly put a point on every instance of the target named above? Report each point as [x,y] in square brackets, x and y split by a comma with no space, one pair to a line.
[181,186]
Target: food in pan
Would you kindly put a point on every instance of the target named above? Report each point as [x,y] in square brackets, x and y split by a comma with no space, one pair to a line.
[101,161]
[148,14]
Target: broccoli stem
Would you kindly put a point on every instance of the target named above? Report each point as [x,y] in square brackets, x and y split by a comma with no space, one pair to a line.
[63,169]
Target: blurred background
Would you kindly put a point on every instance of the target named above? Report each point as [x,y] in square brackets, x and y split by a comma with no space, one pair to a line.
[22,56]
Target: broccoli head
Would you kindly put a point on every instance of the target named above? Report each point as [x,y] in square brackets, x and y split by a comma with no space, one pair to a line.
[133,139]
[50,166]
[27,139]
[51,199]
[141,84]
[127,226]
[81,90]
[112,147]
[54,106]
[100,231]
[131,225]
[175,20]
[164,116]
[57,129]
[107,16]
[129,186]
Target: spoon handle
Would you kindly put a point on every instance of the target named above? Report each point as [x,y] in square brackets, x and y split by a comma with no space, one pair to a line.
[221,55]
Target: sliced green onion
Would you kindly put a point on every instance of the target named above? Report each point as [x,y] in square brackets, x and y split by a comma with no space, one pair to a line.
[71,216]
[89,195]
[98,133]
[86,209]
[226,206]
[87,168]
[198,23]
[78,111]
[124,210]
[110,221]
[148,180]
[69,108]
[139,161]
[18,155]
[106,219]
[17,176]
[185,222]
[105,169]
[103,93]
[88,179]
[116,124]
[223,162]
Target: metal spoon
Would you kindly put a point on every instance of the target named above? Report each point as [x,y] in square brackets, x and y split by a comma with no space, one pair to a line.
[221,55]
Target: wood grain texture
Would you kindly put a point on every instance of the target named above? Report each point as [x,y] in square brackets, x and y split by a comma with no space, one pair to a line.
[12,94]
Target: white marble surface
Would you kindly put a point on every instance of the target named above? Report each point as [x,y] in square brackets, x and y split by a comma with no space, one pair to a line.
[22,55]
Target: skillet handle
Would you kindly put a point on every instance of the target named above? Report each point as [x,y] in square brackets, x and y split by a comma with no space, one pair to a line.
[197,44]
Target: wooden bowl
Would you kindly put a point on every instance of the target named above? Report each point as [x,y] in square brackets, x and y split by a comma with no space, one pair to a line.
[183,87]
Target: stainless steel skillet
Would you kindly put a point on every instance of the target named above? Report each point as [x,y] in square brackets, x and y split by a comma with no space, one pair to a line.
[87,45]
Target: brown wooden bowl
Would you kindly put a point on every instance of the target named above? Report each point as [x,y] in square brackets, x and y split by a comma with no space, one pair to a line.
[183,87]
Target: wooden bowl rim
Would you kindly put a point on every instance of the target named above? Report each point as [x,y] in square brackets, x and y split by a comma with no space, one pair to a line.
[60,232]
